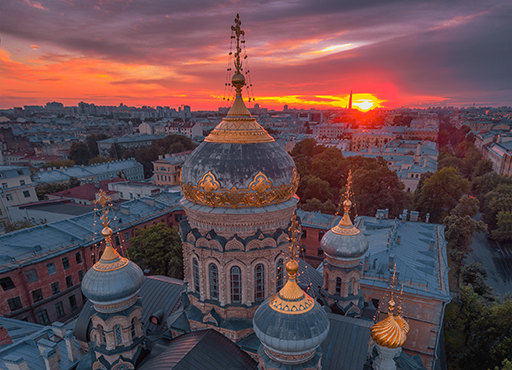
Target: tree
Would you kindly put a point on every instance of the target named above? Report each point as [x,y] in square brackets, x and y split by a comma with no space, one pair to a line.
[79,153]
[92,143]
[58,164]
[54,187]
[314,205]
[475,274]
[482,167]
[99,159]
[441,192]
[116,151]
[459,231]
[158,248]
[496,201]
[312,187]
[327,166]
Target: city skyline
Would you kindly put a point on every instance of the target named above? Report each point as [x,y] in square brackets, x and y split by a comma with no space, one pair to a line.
[301,54]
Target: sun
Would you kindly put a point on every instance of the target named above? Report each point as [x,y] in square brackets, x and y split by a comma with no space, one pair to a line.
[363,104]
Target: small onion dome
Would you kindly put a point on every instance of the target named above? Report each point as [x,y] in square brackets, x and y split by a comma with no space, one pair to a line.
[290,324]
[344,241]
[389,332]
[113,279]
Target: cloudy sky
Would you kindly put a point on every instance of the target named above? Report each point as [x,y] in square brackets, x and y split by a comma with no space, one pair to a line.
[307,53]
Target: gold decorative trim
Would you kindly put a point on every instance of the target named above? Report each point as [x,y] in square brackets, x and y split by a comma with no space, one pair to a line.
[260,192]
[340,230]
[305,304]
[110,266]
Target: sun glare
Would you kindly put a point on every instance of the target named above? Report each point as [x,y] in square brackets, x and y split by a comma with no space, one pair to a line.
[363,105]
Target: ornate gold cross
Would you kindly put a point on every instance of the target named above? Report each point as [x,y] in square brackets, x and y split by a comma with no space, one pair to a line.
[103,199]
[238,32]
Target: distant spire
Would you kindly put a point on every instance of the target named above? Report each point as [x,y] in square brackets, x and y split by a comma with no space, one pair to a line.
[350,101]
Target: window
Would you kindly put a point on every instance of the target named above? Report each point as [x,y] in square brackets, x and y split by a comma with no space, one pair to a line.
[22,182]
[72,301]
[60,309]
[320,235]
[350,284]
[37,295]
[20,172]
[132,328]
[213,273]
[259,282]
[195,267]
[55,288]
[304,234]
[51,268]
[127,235]
[119,338]
[69,281]
[320,252]
[280,275]
[65,263]
[118,242]
[7,283]
[8,197]
[178,217]
[338,285]
[78,257]
[42,316]
[4,185]
[81,275]
[26,194]
[14,303]
[31,275]
[236,284]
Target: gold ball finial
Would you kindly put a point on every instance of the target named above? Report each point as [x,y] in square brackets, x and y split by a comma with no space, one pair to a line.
[238,80]
[292,267]
[107,231]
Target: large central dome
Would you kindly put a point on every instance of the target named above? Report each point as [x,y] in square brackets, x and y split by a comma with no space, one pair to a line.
[239,164]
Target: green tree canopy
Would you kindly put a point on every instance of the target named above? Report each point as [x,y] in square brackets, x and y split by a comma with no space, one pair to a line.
[58,164]
[441,192]
[54,187]
[158,248]
[312,187]
[92,141]
[79,153]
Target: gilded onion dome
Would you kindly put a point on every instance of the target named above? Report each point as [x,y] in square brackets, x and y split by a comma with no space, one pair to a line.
[344,241]
[392,331]
[113,281]
[290,324]
[239,164]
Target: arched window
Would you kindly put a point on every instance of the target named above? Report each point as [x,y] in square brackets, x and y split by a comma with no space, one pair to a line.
[350,287]
[213,273]
[236,284]
[117,331]
[259,282]
[280,275]
[195,267]
[338,285]
[132,328]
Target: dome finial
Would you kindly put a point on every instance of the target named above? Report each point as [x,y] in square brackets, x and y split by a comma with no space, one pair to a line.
[110,253]
[238,79]
[392,331]
[346,221]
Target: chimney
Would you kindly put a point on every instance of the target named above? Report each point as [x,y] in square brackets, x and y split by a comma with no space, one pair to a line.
[15,362]
[160,157]
[391,262]
[58,329]
[398,239]
[414,216]
[427,217]
[51,360]
[425,160]
[97,184]
[45,344]
[418,149]
[70,345]
[366,263]
[5,338]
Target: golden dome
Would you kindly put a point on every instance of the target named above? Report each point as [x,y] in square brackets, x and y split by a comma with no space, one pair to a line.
[390,332]
[291,299]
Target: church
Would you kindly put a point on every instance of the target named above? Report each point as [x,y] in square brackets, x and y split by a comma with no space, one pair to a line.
[241,305]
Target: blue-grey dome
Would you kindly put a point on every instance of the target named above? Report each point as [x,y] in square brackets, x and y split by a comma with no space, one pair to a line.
[105,284]
[290,334]
[344,246]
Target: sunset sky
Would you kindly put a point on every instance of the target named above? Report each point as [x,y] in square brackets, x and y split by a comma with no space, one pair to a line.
[304,53]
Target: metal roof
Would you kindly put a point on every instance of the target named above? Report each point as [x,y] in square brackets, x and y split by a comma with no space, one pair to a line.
[198,350]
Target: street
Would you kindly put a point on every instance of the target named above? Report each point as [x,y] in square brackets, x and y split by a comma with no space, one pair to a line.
[497,260]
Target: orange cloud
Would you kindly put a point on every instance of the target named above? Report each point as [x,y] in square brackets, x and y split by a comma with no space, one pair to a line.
[35,4]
